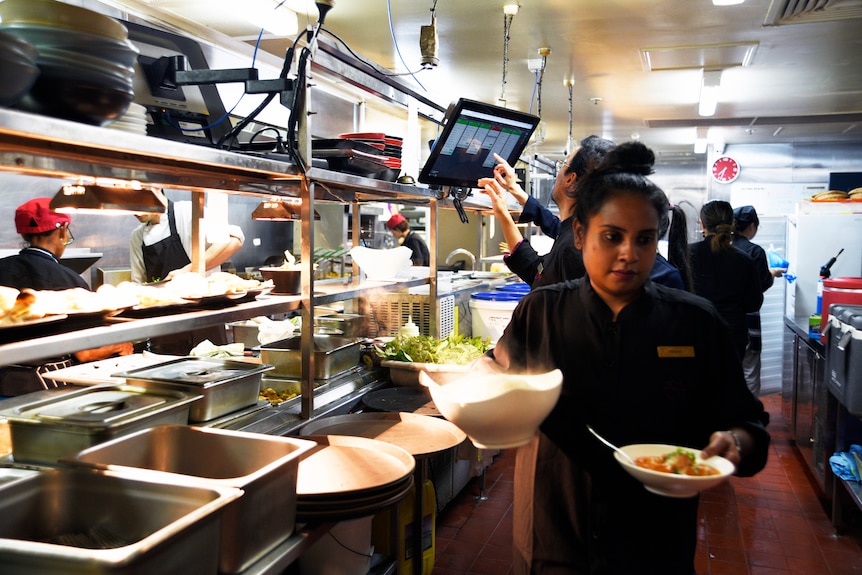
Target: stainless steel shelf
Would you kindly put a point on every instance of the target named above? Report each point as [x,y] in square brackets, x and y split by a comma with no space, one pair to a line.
[137,329]
[44,146]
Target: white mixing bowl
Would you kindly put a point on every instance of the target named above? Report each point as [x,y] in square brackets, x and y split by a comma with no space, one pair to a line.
[496,411]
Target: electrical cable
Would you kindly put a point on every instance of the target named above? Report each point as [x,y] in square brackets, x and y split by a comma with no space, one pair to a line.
[360,553]
[395,42]
[372,65]
[229,112]
[230,136]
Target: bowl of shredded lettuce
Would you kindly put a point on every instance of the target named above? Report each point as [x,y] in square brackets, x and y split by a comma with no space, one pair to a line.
[407,356]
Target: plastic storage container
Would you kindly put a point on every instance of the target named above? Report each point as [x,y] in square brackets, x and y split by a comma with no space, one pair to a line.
[844,356]
[382,538]
[843,290]
[492,312]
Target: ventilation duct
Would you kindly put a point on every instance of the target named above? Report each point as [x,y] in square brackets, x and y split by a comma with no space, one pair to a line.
[803,11]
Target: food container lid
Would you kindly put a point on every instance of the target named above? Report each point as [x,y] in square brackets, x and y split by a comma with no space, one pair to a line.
[99,406]
[850,283]
[517,287]
[198,371]
[496,296]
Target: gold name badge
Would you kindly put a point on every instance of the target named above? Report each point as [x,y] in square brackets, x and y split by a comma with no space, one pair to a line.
[675,351]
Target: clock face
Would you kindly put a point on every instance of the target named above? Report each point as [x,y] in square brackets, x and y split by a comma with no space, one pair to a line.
[725,170]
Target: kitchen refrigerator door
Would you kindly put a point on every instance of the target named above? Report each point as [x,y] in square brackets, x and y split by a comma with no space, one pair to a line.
[812,240]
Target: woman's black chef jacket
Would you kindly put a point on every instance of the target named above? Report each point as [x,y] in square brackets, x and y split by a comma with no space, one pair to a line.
[562,262]
[664,372]
[38,269]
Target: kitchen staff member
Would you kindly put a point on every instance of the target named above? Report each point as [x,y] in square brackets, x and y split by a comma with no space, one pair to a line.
[641,363]
[38,267]
[162,245]
[746,223]
[399,227]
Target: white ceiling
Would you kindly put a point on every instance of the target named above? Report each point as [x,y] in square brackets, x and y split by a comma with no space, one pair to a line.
[636,64]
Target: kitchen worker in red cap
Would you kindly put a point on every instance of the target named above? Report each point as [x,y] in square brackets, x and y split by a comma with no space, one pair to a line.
[37,266]
[399,227]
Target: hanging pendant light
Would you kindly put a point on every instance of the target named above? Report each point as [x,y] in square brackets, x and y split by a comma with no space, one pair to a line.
[509,11]
[106,196]
[278,210]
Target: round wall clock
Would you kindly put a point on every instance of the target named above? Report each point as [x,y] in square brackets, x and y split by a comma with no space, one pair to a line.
[725,170]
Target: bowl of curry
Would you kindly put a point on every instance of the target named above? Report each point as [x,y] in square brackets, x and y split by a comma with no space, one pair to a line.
[674,471]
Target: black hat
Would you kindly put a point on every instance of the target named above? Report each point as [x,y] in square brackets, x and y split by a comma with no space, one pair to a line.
[744,216]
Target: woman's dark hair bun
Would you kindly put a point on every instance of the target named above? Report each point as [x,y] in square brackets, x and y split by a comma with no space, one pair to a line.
[632,157]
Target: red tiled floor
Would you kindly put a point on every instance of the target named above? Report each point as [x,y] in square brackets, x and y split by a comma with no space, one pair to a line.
[771,524]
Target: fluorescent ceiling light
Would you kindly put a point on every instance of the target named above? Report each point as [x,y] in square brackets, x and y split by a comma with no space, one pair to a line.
[726,2]
[510,9]
[710,86]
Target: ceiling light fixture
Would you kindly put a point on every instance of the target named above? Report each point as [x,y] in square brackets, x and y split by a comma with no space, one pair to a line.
[726,2]
[509,11]
[569,83]
[278,20]
[277,210]
[700,140]
[710,86]
[107,197]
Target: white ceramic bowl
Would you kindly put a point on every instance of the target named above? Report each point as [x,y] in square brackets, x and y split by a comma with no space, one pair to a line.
[669,484]
[496,411]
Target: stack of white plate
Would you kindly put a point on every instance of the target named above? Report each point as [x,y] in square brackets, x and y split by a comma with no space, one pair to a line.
[134,120]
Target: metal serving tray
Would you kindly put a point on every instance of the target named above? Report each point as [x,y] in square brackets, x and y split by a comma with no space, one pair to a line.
[81,521]
[332,356]
[56,424]
[225,385]
[263,466]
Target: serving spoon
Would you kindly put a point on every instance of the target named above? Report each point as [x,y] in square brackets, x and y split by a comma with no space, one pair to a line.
[611,445]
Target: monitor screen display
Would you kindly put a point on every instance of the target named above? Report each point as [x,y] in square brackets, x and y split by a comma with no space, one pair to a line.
[473,132]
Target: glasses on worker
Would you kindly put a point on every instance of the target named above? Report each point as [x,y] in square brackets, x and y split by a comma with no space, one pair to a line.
[70,240]
[561,164]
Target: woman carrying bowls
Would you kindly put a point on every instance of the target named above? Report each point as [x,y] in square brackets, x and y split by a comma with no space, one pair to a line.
[641,363]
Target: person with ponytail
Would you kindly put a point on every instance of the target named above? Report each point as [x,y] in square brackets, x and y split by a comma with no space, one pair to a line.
[723,274]
[641,363]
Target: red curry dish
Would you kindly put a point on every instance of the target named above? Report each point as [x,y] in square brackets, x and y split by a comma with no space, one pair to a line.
[679,462]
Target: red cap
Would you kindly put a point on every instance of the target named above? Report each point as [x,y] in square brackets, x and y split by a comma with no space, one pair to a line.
[395,220]
[35,217]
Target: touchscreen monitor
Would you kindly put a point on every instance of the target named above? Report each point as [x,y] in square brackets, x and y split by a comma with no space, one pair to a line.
[473,132]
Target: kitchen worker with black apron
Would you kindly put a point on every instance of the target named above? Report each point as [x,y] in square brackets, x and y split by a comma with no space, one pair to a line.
[160,247]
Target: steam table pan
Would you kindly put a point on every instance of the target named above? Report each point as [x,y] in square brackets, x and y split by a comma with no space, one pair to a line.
[263,466]
[87,522]
[57,424]
[225,385]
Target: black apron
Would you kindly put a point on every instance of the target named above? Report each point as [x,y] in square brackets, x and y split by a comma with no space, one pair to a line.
[166,255]
[160,259]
